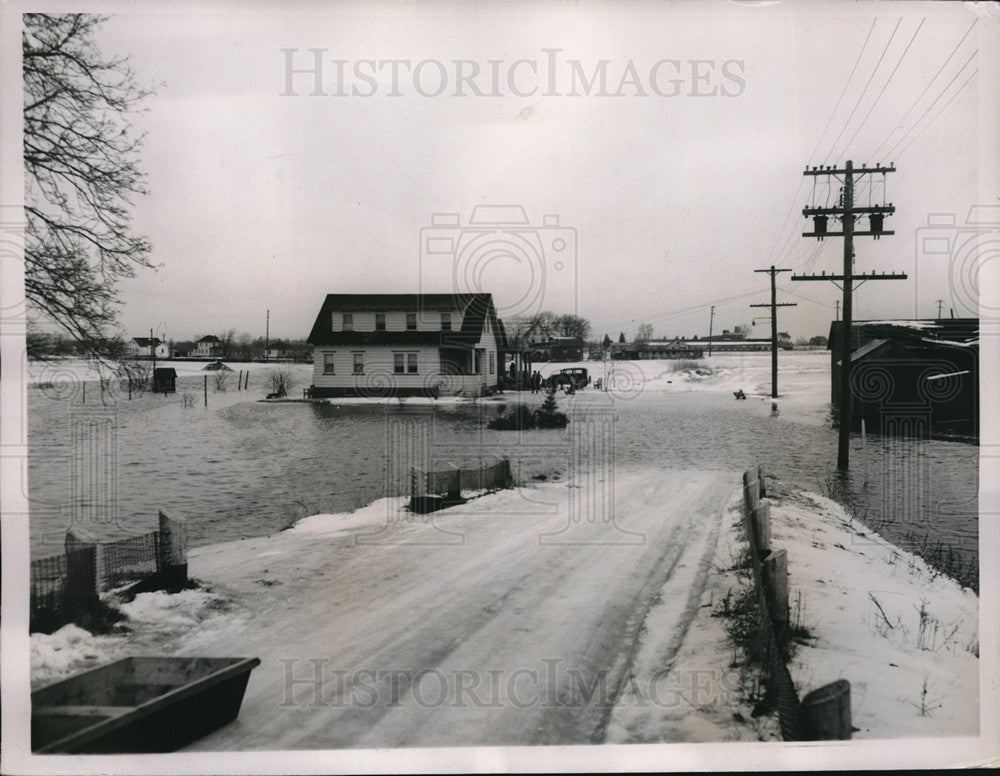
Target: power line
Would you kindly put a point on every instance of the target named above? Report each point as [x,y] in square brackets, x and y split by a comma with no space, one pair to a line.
[925,90]
[865,90]
[943,109]
[885,85]
[931,106]
[792,208]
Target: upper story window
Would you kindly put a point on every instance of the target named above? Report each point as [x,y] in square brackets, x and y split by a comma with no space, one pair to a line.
[445,321]
[379,321]
[348,321]
[411,321]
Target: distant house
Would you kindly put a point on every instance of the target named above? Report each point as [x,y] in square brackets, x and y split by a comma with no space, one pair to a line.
[554,348]
[278,350]
[208,346]
[406,344]
[147,347]
[918,375]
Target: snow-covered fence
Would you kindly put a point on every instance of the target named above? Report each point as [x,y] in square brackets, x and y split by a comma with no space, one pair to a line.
[824,713]
[64,587]
[430,491]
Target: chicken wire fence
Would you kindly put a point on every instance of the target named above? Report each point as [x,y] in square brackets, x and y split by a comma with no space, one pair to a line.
[487,477]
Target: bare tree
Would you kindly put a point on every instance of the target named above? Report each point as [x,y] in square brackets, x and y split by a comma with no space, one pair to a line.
[81,175]
[645,332]
[244,347]
[572,326]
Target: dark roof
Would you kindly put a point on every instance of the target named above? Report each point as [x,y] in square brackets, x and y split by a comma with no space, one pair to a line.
[476,309]
[209,338]
[924,332]
[145,342]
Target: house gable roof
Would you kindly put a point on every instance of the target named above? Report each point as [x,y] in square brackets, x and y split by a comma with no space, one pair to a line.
[476,310]
[145,342]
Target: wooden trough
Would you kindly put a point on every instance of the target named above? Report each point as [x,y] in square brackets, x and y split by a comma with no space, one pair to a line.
[139,704]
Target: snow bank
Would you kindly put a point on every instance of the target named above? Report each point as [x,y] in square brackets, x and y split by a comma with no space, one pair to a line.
[903,634]
[69,650]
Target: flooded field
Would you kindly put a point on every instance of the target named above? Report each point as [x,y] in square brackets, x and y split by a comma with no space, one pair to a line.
[240,467]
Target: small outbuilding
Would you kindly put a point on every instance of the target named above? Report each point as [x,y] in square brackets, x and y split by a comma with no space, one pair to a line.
[165,380]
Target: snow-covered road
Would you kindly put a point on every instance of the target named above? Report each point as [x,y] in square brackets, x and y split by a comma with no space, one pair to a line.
[476,628]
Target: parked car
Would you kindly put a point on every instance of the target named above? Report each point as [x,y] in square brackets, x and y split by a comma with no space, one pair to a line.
[574,376]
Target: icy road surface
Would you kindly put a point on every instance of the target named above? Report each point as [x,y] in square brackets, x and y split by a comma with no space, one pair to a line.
[490,632]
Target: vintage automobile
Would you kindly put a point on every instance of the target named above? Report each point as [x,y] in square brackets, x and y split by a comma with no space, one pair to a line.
[574,377]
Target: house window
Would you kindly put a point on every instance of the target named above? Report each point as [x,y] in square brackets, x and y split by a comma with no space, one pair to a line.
[493,363]
[411,321]
[348,321]
[328,364]
[359,363]
[404,363]
[445,321]
[379,321]
[478,369]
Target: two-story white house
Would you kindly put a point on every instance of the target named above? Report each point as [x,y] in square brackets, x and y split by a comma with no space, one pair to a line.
[207,346]
[406,344]
[147,347]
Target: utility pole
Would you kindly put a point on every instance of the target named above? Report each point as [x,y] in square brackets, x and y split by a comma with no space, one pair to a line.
[711,320]
[152,350]
[267,336]
[837,311]
[939,303]
[774,325]
[847,211]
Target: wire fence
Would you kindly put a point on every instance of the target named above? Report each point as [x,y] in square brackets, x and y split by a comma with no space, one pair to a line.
[129,560]
[453,481]
[61,585]
[48,591]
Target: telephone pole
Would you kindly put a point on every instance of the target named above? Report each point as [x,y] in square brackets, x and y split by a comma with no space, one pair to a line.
[836,312]
[267,337]
[711,320]
[939,303]
[774,325]
[847,212]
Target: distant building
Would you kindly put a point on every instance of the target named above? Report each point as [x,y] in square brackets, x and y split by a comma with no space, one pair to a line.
[554,348]
[279,349]
[147,347]
[911,377]
[406,344]
[649,349]
[208,346]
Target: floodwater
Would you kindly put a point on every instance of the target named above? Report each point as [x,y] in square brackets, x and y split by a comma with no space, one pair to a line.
[240,467]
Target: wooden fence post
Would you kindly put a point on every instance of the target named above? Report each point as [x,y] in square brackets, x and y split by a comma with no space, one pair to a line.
[775,579]
[826,712]
[752,494]
[761,526]
[762,480]
[173,552]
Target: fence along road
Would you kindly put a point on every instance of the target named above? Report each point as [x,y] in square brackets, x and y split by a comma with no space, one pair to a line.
[490,610]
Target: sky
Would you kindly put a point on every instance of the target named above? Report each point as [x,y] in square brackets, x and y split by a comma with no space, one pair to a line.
[648,199]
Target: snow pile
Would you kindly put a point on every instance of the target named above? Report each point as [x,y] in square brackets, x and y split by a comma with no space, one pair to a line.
[342,523]
[172,612]
[904,635]
[69,650]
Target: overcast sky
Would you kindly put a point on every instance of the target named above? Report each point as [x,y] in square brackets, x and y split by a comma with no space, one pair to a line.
[670,188]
